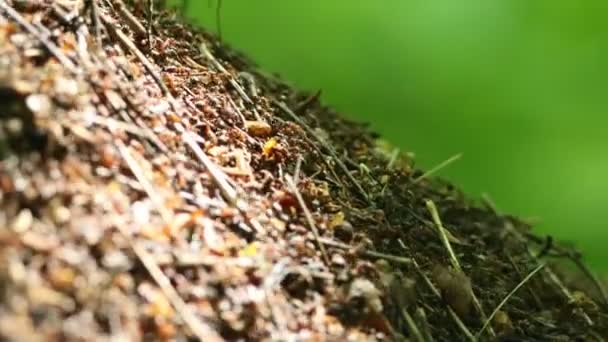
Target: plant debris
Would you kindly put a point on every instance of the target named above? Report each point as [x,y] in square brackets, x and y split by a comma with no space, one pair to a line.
[154,184]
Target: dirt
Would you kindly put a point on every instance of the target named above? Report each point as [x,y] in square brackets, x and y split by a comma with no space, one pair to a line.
[155,185]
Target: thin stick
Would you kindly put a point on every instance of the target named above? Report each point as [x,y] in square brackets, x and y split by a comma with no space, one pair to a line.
[131,20]
[293,188]
[199,328]
[250,79]
[237,109]
[440,166]
[51,47]
[327,147]
[166,215]
[113,124]
[372,254]
[207,54]
[555,279]
[337,181]
[575,257]
[220,178]
[552,276]
[502,303]
[216,173]
[296,173]
[453,259]
[96,23]
[125,41]
[150,21]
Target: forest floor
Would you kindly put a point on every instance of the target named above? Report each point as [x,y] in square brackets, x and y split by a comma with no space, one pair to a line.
[155,185]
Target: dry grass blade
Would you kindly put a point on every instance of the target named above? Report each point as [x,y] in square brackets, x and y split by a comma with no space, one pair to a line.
[499,306]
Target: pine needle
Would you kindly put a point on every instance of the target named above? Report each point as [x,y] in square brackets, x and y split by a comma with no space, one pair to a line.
[440,166]
[521,283]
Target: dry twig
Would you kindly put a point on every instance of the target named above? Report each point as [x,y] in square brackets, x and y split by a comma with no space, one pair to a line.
[128,43]
[209,56]
[200,329]
[145,183]
[311,223]
[550,274]
[327,147]
[372,254]
[50,46]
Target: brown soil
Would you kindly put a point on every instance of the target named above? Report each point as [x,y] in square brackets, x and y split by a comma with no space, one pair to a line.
[162,188]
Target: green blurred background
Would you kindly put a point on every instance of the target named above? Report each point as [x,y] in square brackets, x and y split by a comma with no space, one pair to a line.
[518,86]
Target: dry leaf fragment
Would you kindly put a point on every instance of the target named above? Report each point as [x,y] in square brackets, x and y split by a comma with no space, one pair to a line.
[258,128]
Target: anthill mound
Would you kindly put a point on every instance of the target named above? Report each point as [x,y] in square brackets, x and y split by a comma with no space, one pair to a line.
[155,185]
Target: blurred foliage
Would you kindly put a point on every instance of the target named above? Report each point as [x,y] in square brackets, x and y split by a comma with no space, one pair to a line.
[518,86]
